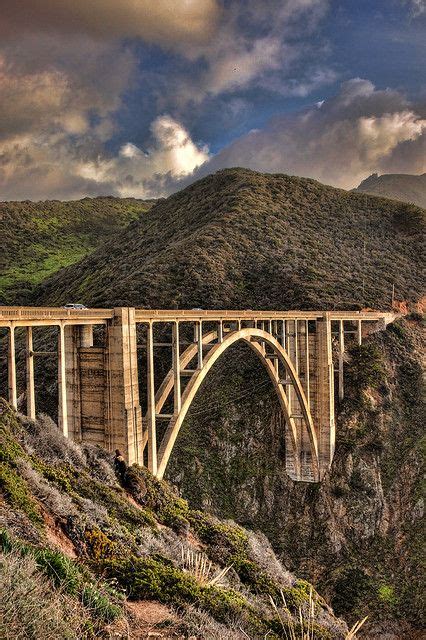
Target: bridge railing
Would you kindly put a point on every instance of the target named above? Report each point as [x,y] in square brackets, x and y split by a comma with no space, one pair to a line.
[55,313]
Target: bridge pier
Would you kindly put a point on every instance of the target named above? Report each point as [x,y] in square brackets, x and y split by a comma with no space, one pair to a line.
[11,370]
[324,415]
[30,386]
[124,421]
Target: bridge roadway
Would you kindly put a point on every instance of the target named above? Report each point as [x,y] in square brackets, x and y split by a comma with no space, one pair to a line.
[45,316]
[99,386]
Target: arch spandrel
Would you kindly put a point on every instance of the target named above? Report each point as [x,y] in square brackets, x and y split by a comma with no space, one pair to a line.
[256,339]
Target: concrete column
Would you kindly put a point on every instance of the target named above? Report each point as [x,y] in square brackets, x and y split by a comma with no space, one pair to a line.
[151,426]
[11,369]
[296,345]
[62,383]
[199,340]
[341,354]
[359,332]
[124,413]
[325,396]
[283,342]
[31,412]
[73,378]
[307,364]
[220,331]
[176,369]
[289,353]
[86,335]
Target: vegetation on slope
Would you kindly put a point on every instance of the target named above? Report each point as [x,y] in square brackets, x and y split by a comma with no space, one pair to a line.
[400,186]
[241,239]
[39,238]
[76,548]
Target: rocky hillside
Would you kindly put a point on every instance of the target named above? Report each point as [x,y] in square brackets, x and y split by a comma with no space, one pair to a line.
[86,556]
[399,186]
[39,238]
[241,239]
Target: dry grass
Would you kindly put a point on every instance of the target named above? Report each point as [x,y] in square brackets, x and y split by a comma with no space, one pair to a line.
[203,570]
[303,625]
[31,608]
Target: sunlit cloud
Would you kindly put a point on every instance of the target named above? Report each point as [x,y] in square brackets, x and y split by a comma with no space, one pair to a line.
[338,141]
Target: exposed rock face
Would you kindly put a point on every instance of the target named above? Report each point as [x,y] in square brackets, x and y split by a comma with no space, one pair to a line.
[357,534]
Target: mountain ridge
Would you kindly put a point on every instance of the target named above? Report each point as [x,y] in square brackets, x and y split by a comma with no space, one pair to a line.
[398,186]
[236,229]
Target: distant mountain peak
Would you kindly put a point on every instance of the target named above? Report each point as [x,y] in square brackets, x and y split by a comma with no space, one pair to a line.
[398,186]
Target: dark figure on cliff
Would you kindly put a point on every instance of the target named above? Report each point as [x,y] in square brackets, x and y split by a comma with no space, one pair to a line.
[120,465]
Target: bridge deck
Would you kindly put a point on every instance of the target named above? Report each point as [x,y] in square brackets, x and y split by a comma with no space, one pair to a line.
[36,316]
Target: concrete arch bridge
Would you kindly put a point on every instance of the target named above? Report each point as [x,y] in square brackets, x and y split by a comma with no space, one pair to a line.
[103,375]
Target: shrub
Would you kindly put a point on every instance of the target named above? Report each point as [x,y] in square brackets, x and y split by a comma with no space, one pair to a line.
[62,570]
[99,605]
[16,492]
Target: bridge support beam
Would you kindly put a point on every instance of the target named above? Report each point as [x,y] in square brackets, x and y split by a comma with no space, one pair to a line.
[325,395]
[341,358]
[151,417]
[62,383]
[30,387]
[11,368]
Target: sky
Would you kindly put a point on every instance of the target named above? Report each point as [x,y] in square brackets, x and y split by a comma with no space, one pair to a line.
[136,98]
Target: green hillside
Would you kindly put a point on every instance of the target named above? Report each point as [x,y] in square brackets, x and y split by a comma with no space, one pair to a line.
[84,556]
[241,239]
[399,186]
[39,238]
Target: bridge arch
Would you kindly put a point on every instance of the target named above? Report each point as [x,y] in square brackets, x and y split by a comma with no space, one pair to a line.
[258,340]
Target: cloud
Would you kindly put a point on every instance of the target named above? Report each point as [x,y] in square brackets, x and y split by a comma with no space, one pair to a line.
[38,165]
[66,66]
[167,22]
[256,44]
[417,7]
[339,141]
[134,172]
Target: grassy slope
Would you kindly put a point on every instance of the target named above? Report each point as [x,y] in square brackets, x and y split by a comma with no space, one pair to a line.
[405,187]
[39,238]
[240,239]
[68,526]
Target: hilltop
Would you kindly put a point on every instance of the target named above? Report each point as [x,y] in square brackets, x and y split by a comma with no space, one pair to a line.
[85,556]
[400,186]
[241,239]
[39,238]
